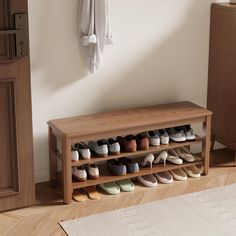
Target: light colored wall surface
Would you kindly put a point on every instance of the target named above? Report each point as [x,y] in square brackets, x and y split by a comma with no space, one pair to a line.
[160,55]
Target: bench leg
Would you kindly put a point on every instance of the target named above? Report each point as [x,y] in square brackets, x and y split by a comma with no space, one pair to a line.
[207,145]
[52,158]
[235,157]
[213,140]
[66,170]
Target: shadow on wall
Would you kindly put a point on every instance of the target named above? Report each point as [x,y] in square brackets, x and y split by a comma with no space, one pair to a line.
[56,40]
[170,72]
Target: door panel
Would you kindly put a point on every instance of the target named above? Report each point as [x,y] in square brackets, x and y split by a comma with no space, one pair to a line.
[222,70]
[16,145]
[8,152]
[4,24]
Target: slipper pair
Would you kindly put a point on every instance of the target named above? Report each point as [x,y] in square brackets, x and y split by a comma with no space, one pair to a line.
[90,191]
[182,174]
[114,188]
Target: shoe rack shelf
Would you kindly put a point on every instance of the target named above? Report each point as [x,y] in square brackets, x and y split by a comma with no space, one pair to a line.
[106,176]
[138,153]
[110,124]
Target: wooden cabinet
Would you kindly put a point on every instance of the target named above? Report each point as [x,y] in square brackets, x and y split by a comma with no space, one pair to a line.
[222,73]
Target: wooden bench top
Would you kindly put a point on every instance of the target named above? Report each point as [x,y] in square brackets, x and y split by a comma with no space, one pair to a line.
[124,121]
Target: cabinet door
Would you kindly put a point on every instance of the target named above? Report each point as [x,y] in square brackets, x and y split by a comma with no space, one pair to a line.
[16,155]
[222,73]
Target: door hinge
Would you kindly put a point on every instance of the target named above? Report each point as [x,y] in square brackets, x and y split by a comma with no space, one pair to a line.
[22,42]
[21,34]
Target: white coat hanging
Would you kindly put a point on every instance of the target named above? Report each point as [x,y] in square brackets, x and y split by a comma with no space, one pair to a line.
[95,31]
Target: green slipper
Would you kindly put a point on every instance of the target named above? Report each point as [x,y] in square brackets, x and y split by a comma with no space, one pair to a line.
[126,185]
[111,188]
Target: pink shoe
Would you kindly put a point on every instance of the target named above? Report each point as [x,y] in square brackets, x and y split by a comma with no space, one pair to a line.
[148,180]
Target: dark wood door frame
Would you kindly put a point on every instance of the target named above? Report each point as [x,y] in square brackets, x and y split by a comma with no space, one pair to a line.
[16,141]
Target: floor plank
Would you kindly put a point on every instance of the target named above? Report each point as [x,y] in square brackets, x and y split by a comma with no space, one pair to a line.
[43,218]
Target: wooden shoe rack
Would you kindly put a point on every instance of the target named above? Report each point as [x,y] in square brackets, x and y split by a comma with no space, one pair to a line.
[110,124]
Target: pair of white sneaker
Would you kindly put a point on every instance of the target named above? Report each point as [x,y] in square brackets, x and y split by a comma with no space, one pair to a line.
[79,172]
[157,137]
[181,133]
[80,149]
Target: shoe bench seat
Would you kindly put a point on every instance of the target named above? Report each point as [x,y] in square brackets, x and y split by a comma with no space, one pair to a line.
[109,124]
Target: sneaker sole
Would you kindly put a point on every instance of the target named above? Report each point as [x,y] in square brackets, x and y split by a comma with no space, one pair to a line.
[100,155]
[114,153]
[179,141]
[78,178]
[93,177]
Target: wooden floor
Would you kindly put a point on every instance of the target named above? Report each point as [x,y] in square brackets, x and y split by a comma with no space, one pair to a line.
[43,218]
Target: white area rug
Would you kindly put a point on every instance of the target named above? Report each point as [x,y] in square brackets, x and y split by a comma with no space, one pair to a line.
[207,213]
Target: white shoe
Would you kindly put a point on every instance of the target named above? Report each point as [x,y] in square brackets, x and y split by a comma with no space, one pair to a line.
[185,154]
[176,134]
[113,146]
[164,136]
[161,157]
[173,157]
[154,138]
[99,147]
[179,174]
[83,150]
[93,171]
[188,131]
[79,173]
[148,160]
[164,177]
[192,171]
[147,180]
[74,154]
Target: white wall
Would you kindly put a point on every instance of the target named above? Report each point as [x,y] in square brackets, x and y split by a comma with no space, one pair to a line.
[160,55]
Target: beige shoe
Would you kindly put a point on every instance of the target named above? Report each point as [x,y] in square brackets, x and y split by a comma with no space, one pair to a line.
[185,154]
[179,174]
[161,157]
[79,196]
[192,171]
[92,192]
[173,157]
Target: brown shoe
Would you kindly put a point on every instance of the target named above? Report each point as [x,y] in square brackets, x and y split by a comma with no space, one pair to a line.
[142,141]
[127,143]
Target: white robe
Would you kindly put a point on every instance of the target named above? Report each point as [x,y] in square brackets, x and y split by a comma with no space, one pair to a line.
[94,31]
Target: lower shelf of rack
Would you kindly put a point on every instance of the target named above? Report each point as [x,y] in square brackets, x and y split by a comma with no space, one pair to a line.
[106,176]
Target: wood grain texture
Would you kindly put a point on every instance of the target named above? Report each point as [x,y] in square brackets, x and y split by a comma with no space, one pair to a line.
[52,157]
[5,40]
[6,136]
[207,145]
[106,176]
[225,6]
[43,218]
[222,71]
[138,153]
[133,120]
[109,124]
[19,122]
[66,170]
